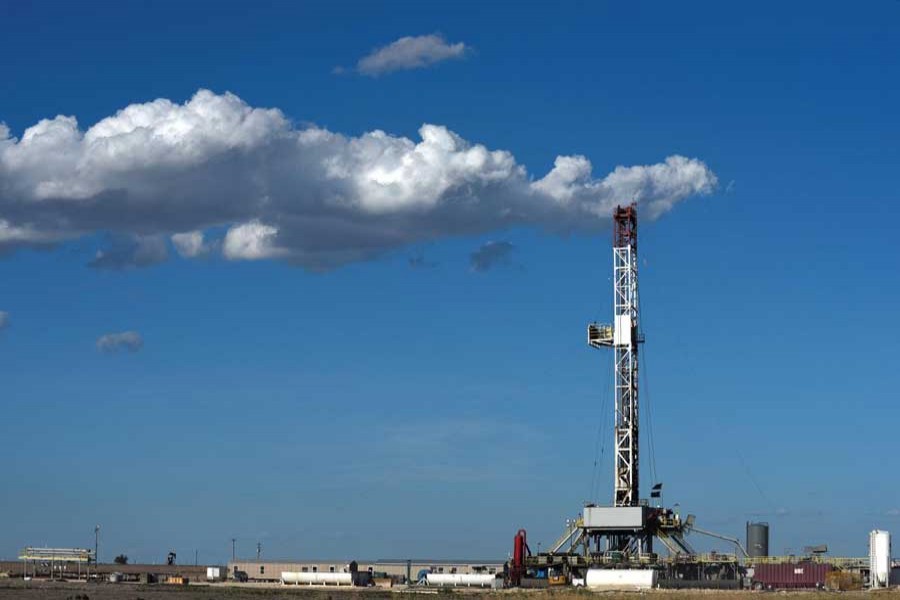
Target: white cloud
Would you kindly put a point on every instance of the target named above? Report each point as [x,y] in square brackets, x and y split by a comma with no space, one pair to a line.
[12,234]
[307,195]
[189,244]
[410,52]
[4,319]
[251,241]
[125,340]
[131,252]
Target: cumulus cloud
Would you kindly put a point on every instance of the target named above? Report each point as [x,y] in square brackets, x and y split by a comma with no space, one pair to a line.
[190,244]
[490,255]
[4,319]
[409,52]
[307,195]
[115,342]
[132,252]
[252,241]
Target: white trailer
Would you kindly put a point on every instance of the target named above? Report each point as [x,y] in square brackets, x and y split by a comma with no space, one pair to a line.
[300,578]
[460,579]
[621,579]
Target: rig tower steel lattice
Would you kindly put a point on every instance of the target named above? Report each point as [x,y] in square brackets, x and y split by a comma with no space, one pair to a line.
[621,535]
[625,345]
[623,336]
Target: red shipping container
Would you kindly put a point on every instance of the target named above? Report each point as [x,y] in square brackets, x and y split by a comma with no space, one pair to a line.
[790,575]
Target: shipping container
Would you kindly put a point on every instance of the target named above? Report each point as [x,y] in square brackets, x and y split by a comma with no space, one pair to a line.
[799,575]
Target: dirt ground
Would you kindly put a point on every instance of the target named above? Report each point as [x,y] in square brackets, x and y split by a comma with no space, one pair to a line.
[16,589]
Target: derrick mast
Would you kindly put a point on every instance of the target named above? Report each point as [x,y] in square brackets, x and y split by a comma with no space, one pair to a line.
[623,337]
[625,341]
[622,535]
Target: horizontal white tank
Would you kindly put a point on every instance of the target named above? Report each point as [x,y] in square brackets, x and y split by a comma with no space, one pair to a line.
[620,579]
[317,578]
[460,579]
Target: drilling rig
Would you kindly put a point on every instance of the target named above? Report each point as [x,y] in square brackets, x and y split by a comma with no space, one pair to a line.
[622,534]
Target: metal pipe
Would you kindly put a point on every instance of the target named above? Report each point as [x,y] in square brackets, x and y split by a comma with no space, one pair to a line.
[734,541]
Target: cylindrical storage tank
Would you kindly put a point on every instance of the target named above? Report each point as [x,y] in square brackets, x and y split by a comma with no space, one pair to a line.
[879,559]
[620,579]
[460,579]
[757,539]
[297,577]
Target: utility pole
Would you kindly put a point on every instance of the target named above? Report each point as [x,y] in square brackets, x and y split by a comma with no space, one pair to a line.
[97,544]
[233,540]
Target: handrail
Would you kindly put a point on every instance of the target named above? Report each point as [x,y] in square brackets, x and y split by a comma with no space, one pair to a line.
[826,560]
[574,526]
[57,554]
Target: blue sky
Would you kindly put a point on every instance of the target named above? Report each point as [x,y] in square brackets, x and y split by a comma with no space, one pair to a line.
[372,409]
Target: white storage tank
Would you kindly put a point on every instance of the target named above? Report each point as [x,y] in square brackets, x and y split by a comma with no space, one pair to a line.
[297,577]
[621,579]
[460,579]
[879,559]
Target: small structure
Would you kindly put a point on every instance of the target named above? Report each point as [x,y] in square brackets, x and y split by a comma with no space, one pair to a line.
[398,570]
[60,562]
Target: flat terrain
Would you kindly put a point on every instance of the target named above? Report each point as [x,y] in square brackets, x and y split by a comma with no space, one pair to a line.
[101,591]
